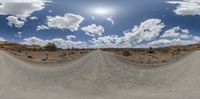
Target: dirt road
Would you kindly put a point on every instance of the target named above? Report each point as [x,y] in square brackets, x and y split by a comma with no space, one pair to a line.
[99,76]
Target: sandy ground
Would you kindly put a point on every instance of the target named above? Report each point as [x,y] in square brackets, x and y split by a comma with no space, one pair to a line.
[99,75]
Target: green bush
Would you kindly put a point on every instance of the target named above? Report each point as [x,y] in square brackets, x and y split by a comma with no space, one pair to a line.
[50,47]
[126,53]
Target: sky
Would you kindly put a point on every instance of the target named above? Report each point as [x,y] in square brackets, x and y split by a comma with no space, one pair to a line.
[100,23]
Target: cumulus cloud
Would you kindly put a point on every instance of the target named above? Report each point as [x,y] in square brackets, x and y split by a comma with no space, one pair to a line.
[34,41]
[176,32]
[147,34]
[187,7]
[14,21]
[111,20]
[18,34]
[105,41]
[21,8]
[68,21]
[175,36]
[172,42]
[146,31]
[93,30]
[61,43]
[42,27]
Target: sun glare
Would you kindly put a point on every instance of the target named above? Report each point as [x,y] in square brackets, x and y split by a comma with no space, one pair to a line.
[102,11]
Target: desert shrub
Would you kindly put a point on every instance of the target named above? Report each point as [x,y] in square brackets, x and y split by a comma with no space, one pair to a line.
[71,53]
[34,49]
[29,56]
[163,61]
[81,52]
[126,53]
[151,50]
[50,47]
[142,50]
[141,62]
[184,49]
[19,50]
[63,54]
[164,50]
[149,61]
[46,58]
[177,51]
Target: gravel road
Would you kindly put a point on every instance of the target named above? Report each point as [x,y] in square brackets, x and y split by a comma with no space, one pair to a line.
[99,75]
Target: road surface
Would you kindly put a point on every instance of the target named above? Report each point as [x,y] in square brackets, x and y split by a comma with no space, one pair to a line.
[98,75]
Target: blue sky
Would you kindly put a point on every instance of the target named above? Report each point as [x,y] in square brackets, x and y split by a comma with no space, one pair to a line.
[100,23]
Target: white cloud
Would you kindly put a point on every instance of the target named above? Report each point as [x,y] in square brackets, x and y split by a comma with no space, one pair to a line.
[175,36]
[33,18]
[147,34]
[175,33]
[61,43]
[14,21]
[111,20]
[21,8]
[34,41]
[172,42]
[187,7]
[68,21]
[68,43]
[93,30]
[2,39]
[18,34]
[162,42]
[147,31]
[42,27]
[69,37]
[105,41]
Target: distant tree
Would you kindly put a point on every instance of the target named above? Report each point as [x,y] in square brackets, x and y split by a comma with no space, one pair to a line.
[50,47]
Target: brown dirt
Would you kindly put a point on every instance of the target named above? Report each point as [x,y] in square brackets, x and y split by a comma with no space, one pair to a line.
[48,57]
[158,56]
